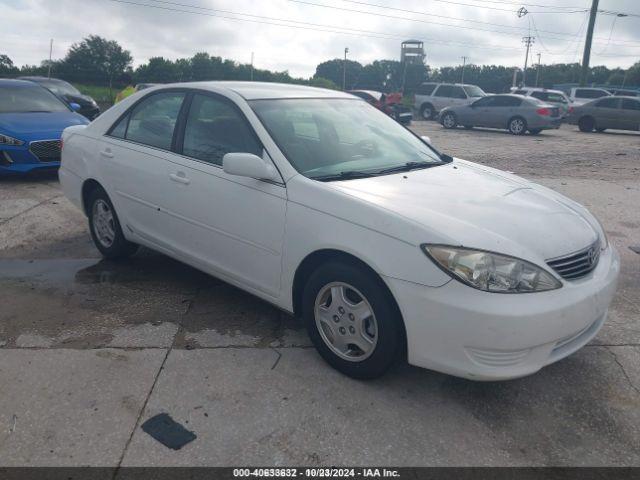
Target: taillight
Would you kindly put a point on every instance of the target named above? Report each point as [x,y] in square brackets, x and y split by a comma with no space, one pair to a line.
[570,109]
[543,111]
[61,144]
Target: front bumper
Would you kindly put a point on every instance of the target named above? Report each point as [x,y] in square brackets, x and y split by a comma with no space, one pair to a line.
[20,160]
[469,333]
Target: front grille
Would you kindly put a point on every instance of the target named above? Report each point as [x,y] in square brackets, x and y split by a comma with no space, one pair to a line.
[46,150]
[577,265]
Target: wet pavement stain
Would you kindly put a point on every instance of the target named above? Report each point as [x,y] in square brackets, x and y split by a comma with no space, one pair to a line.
[148,300]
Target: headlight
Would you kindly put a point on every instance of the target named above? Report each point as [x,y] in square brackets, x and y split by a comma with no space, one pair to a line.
[7,140]
[491,272]
[604,240]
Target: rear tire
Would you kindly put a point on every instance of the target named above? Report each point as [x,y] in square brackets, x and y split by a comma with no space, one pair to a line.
[359,332]
[449,120]
[105,227]
[586,124]
[427,111]
[517,126]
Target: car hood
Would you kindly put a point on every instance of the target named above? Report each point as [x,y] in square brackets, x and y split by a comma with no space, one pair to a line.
[474,206]
[26,126]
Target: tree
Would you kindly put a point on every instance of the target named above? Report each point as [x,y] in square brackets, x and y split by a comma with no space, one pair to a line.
[6,65]
[97,60]
[332,70]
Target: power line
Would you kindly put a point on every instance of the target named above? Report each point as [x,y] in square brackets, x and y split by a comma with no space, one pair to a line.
[300,24]
[404,10]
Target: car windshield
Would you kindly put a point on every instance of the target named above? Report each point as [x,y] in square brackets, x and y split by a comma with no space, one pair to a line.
[60,87]
[324,137]
[29,99]
[474,91]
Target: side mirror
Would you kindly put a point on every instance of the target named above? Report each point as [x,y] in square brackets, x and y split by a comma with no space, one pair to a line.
[426,139]
[248,165]
[75,106]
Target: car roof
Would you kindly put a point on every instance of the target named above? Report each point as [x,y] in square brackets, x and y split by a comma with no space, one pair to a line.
[7,82]
[539,89]
[264,90]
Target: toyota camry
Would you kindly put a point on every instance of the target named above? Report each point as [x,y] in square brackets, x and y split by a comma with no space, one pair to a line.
[318,203]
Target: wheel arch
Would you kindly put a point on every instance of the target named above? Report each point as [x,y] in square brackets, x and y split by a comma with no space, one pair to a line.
[314,259]
[89,186]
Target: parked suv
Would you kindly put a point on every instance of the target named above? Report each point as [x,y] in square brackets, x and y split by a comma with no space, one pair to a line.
[555,97]
[582,95]
[430,98]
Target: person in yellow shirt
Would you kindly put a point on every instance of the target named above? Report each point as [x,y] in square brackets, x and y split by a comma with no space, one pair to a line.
[128,90]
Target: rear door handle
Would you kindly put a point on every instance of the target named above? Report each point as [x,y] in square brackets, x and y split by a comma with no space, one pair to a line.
[180,177]
[106,153]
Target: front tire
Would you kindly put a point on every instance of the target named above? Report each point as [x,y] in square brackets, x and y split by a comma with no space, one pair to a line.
[105,227]
[352,321]
[449,120]
[517,126]
[586,124]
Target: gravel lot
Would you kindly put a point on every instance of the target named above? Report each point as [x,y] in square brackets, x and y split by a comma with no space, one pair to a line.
[89,349]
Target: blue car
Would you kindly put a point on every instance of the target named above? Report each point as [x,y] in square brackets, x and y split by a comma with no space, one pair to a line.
[31,123]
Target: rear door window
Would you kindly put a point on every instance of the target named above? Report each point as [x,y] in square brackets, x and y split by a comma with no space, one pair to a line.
[457,92]
[630,104]
[152,122]
[505,101]
[444,91]
[608,103]
[586,93]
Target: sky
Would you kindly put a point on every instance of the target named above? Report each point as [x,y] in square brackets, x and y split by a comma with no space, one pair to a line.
[296,35]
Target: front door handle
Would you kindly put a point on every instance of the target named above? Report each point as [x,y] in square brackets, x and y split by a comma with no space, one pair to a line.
[106,153]
[180,177]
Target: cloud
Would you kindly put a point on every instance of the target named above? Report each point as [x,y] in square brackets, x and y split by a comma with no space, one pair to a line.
[217,29]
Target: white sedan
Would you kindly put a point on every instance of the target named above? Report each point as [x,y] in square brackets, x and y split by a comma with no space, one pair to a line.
[318,203]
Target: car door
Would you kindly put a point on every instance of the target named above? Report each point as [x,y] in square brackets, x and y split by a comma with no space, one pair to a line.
[133,156]
[441,97]
[630,114]
[228,225]
[458,96]
[607,113]
[479,111]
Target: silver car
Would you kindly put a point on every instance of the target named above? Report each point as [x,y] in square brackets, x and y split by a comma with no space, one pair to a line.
[515,113]
[621,113]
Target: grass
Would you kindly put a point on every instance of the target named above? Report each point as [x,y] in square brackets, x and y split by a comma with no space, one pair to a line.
[99,94]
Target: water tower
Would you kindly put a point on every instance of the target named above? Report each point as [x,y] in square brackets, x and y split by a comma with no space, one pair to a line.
[412,52]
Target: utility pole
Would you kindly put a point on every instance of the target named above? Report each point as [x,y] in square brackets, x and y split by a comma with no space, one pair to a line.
[587,43]
[538,70]
[464,62]
[528,41]
[252,66]
[50,55]
[344,69]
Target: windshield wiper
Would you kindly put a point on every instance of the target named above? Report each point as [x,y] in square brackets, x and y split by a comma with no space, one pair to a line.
[348,175]
[406,167]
